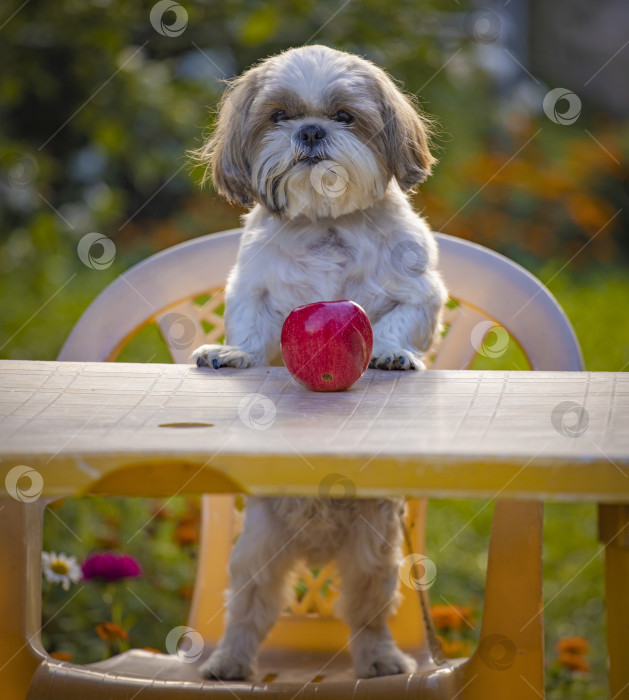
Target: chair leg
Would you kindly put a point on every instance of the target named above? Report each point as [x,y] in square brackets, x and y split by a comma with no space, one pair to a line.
[20,595]
[509,660]
[614,533]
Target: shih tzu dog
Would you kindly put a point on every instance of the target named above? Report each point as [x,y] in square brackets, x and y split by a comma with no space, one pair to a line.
[323,147]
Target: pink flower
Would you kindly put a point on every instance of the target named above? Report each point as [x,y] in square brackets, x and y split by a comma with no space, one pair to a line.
[110,566]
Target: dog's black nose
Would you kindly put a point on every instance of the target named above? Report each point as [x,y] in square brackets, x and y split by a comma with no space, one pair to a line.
[310,134]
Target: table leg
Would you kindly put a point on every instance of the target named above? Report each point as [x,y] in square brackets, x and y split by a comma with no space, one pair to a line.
[509,660]
[614,533]
[20,595]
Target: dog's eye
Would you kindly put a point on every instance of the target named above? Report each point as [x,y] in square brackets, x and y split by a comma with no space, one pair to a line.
[279,116]
[343,117]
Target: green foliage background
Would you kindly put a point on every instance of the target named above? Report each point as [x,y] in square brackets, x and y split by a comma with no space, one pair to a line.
[98,110]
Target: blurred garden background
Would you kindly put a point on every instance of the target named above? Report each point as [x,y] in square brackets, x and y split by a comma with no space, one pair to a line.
[99,102]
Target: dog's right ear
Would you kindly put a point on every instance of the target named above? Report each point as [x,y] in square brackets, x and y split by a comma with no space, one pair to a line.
[226,153]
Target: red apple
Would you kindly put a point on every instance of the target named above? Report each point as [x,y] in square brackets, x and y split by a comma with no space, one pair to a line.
[327,345]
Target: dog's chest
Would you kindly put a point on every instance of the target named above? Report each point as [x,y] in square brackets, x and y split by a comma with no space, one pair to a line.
[328,261]
[319,263]
[330,248]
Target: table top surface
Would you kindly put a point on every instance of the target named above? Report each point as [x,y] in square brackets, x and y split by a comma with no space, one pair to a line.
[150,429]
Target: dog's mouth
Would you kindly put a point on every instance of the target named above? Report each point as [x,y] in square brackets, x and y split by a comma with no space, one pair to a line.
[311,159]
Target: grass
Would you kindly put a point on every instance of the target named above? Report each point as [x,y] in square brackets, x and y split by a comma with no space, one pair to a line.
[595,301]
[457,538]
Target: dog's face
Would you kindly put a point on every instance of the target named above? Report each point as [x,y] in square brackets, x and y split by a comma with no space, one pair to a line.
[315,132]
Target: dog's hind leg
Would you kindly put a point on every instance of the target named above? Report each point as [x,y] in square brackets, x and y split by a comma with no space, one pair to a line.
[368,563]
[258,570]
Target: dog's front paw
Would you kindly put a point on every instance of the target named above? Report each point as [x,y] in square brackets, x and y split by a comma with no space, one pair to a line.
[389,358]
[222,356]
[386,663]
[223,666]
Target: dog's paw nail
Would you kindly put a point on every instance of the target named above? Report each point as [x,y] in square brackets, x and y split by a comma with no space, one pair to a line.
[215,363]
[401,359]
[201,362]
[388,360]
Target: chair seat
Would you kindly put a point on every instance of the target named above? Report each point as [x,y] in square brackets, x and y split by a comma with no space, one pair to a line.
[139,675]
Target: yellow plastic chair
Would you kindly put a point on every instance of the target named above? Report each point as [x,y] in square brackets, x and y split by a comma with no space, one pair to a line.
[304,656]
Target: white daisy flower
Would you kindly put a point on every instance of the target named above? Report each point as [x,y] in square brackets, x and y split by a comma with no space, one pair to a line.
[61,568]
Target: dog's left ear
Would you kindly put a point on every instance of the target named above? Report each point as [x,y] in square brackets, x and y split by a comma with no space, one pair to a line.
[406,137]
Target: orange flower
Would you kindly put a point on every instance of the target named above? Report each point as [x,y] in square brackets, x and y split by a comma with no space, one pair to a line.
[186,590]
[455,649]
[573,645]
[574,662]
[194,505]
[55,505]
[108,541]
[450,617]
[444,617]
[161,511]
[61,655]
[111,632]
[466,613]
[589,212]
[186,533]
[113,520]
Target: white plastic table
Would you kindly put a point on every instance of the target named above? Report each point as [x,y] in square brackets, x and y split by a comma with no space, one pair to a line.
[152,430]
[536,435]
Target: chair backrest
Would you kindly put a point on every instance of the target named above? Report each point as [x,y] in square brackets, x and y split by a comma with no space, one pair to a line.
[491,289]
[161,289]
[181,290]
[487,287]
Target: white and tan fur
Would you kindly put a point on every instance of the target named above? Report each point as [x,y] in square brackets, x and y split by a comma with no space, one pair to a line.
[324,146]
